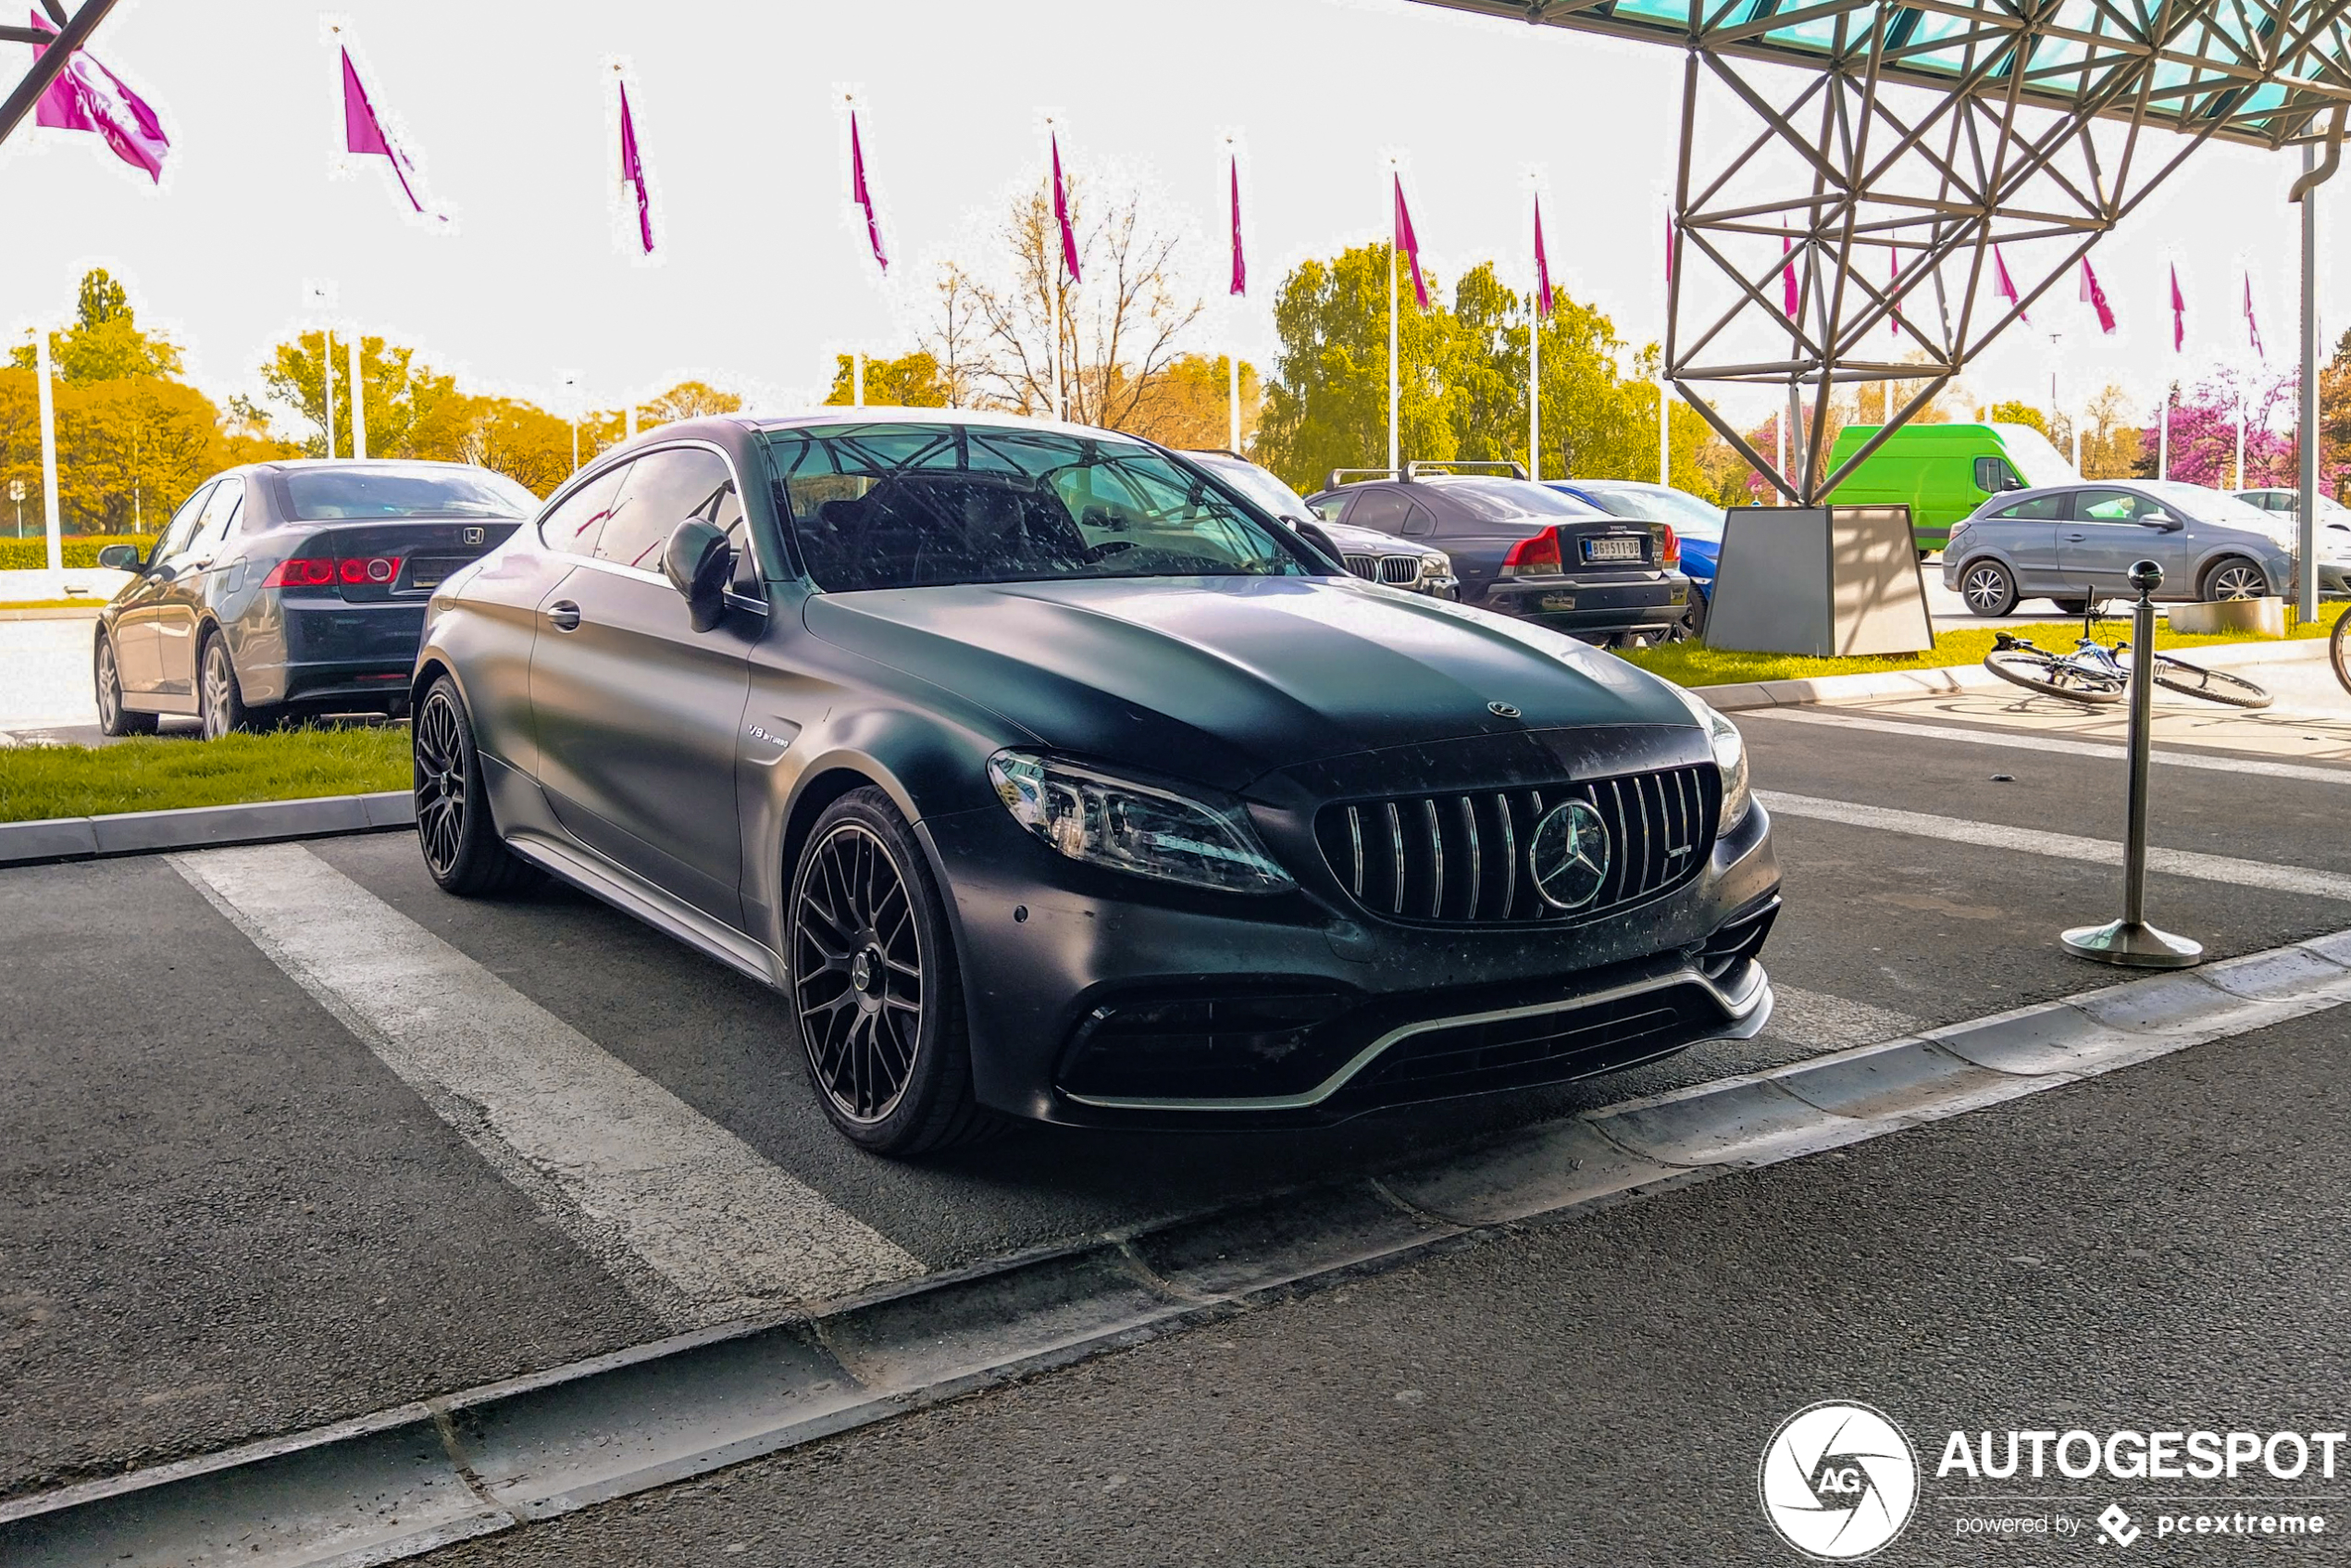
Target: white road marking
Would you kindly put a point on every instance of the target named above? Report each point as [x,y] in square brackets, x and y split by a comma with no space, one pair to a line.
[2014,741]
[1821,1022]
[701,1227]
[2061,846]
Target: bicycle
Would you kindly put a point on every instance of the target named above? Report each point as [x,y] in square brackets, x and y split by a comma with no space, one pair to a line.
[2098,675]
[2339,650]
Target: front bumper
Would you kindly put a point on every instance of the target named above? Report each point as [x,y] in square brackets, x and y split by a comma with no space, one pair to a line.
[1072,975]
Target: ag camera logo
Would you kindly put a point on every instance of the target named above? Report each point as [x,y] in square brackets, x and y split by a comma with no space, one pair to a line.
[1838,1481]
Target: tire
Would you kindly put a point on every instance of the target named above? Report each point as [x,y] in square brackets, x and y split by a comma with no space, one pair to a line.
[220,702]
[1693,620]
[1988,586]
[2212,685]
[2233,576]
[113,717]
[2339,650]
[2051,676]
[877,995]
[463,852]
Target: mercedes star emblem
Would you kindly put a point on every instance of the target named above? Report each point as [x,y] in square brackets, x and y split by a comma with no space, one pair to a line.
[1501,710]
[1569,856]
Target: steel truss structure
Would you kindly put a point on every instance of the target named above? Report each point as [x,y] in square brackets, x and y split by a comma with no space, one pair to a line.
[72,33]
[1873,170]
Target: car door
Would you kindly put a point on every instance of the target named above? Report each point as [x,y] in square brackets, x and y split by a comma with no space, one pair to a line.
[2025,532]
[2109,532]
[635,713]
[178,605]
[136,659]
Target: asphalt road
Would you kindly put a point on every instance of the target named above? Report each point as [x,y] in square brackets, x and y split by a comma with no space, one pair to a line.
[239,1199]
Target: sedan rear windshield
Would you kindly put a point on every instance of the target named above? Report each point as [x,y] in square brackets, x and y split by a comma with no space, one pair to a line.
[899,505]
[1505,501]
[318,495]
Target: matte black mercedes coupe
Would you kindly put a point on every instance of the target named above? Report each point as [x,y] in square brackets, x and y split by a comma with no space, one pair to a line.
[1046,776]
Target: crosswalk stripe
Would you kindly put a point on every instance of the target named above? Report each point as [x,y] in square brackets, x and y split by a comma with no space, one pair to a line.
[2061,846]
[2016,742]
[699,1227]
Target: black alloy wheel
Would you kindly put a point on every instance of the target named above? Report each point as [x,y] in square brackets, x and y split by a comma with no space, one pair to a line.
[461,845]
[220,701]
[114,718]
[874,986]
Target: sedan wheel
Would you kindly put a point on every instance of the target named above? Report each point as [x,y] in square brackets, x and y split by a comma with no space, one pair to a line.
[461,845]
[113,717]
[1988,589]
[219,703]
[874,986]
[2235,579]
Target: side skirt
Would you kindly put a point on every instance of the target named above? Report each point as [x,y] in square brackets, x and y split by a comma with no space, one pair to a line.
[599,877]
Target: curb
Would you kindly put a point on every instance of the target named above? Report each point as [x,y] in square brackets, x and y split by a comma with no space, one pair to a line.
[54,839]
[407,1480]
[1962,678]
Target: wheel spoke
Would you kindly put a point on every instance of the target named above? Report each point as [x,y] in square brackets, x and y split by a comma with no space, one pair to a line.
[860,1026]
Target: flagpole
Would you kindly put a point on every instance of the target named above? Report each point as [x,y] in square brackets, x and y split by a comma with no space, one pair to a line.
[2163,438]
[52,530]
[1394,464]
[2306,587]
[327,375]
[1534,353]
[358,402]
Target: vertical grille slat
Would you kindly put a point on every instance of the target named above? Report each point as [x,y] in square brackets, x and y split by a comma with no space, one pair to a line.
[1443,860]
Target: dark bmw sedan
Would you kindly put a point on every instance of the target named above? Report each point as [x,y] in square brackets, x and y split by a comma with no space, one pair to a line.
[283,589]
[1525,550]
[1046,778]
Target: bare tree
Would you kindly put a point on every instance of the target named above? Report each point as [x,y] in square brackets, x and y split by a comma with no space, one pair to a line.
[951,340]
[1120,329]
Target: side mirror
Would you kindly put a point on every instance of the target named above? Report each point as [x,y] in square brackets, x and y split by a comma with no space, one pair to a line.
[696,560]
[2163,521]
[120,558]
[1317,537]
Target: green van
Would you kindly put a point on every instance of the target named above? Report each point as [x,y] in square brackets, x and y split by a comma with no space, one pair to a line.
[1943,472]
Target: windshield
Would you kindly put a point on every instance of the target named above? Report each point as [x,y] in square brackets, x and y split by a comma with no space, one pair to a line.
[1503,500]
[901,505]
[318,495]
[1691,516]
[2036,462]
[1255,482]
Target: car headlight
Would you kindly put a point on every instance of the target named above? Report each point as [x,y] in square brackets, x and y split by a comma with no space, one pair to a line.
[1437,564]
[1128,825]
[1730,756]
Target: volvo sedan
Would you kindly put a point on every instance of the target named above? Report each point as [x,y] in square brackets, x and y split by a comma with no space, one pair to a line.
[1046,778]
[284,589]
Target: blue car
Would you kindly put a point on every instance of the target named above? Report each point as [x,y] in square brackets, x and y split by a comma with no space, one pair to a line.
[1696,522]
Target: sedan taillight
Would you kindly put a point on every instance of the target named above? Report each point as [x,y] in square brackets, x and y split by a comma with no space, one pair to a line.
[1535,556]
[321,571]
[1669,550]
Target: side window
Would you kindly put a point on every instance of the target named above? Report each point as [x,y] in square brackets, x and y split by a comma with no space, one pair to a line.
[1993,475]
[1381,509]
[574,525]
[177,532]
[2041,508]
[664,490]
[219,517]
[2109,506]
[1328,507]
[1418,524]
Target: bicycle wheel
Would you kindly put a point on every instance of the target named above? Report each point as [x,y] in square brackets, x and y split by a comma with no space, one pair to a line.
[2212,685]
[2339,650]
[2054,677]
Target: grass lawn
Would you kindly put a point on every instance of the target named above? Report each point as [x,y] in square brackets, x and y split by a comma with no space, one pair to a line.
[154,773]
[1694,663]
[78,601]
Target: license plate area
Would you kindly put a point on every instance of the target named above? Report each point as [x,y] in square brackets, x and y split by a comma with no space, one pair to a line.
[1619,550]
[430,571]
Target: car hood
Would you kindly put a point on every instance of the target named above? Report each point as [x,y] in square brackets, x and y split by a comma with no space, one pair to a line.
[1225,679]
[1347,537]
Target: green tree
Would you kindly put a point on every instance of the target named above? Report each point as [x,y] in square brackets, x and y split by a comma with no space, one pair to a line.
[519,440]
[105,343]
[1328,407]
[688,400]
[909,381]
[399,392]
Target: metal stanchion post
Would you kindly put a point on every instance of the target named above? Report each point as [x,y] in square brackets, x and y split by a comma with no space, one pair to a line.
[2131,941]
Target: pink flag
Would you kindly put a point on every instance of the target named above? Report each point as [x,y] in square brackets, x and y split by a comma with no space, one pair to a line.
[863,194]
[632,171]
[1407,244]
[363,132]
[2095,297]
[2252,327]
[1790,301]
[1061,216]
[2006,286]
[87,96]
[1542,266]
[1240,262]
[2179,313]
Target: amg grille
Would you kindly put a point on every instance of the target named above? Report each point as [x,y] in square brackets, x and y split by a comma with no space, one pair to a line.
[1461,859]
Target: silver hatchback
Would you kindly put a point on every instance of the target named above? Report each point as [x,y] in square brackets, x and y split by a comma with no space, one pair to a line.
[2075,542]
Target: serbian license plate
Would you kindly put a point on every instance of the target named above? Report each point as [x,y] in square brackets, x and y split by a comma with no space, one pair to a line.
[1613,550]
[1557,602]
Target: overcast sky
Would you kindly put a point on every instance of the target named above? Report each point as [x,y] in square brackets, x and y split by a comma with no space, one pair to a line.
[760,276]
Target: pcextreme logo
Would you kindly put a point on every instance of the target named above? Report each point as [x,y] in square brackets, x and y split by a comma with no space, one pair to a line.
[1838,1481]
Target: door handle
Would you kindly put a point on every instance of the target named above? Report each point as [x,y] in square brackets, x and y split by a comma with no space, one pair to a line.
[2075,538]
[564,616]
